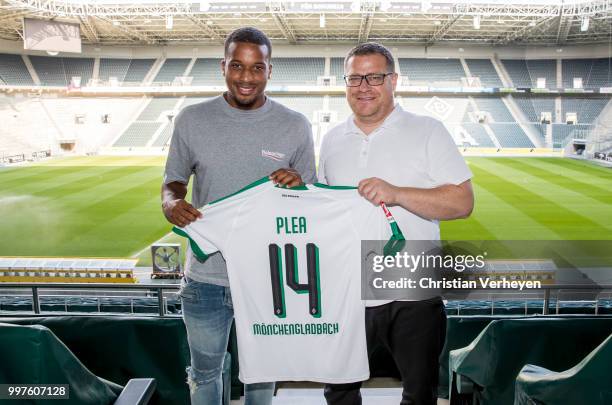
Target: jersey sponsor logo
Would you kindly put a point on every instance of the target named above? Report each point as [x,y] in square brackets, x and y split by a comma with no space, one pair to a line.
[276,156]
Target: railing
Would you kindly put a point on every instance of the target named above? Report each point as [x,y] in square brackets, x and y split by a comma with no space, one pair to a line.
[159,289]
[35,288]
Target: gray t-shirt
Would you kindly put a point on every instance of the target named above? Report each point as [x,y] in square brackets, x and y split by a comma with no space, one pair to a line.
[226,148]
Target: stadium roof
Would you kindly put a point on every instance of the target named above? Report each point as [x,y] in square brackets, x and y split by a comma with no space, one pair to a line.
[113,22]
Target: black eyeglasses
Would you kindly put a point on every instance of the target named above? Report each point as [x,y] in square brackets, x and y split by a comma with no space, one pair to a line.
[373,79]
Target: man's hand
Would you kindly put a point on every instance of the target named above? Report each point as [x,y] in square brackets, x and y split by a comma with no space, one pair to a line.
[286,178]
[180,213]
[376,191]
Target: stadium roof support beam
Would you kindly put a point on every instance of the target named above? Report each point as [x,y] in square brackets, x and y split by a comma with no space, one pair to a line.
[565,24]
[207,29]
[443,30]
[132,33]
[14,15]
[367,18]
[282,23]
[89,30]
[525,31]
[93,8]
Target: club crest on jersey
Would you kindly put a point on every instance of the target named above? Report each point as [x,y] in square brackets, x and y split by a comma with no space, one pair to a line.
[277,156]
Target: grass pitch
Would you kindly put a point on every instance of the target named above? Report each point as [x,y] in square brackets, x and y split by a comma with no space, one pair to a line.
[110,206]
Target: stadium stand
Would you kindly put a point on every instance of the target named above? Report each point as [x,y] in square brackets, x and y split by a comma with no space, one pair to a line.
[595,73]
[447,109]
[171,69]
[13,71]
[206,72]
[511,135]
[336,68]
[193,100]
[164,136]
[297,71]
[506,345]
[150,120]
[421,71]
[113,68]
[59,71]
[156,106]
[50,70]
[483,69]
[587,109]
[125,70]
[587,382]
[306,105]
[137,70]
[479,133]
[561,133]
[137,134]
[80,67]
[525,73]
[496,107]
[339,104]
[533,107]
[20,133]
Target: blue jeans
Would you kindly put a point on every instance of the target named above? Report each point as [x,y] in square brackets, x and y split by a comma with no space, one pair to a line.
[208,314]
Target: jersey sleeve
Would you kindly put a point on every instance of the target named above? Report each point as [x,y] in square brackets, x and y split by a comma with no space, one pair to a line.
[210,233]
[376,223]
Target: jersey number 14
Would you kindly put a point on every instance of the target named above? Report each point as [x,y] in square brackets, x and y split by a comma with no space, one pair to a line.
[313,287]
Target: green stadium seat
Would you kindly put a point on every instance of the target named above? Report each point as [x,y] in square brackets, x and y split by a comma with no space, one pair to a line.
[120,348]
[34,355]
[589,382]
[486,369]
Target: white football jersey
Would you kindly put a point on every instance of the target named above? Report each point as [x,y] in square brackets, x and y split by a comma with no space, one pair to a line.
[293,262]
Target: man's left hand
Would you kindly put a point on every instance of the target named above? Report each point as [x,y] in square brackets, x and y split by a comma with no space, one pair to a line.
[286,177]
[376,191]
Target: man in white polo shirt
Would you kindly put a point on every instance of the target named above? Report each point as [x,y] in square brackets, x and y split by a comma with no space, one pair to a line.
[410,163]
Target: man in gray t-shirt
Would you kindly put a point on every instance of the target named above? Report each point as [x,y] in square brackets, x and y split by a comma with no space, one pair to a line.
[226,143]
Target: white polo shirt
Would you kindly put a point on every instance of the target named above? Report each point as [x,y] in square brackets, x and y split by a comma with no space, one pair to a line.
[407,150]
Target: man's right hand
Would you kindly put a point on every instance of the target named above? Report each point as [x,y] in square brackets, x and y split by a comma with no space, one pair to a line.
[180,213]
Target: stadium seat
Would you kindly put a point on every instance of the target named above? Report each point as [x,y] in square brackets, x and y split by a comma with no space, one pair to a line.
[484,70]
[525,73]
[589,382]
[595,73]
[486,369]
[34,355]
[13,71]
[297,71]
[171,69]
[421,71]
[119,348]
[206,72]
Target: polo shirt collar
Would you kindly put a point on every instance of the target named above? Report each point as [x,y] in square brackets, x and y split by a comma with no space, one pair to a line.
[352,128]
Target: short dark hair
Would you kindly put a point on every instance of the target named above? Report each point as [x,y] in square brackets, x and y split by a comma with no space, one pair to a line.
[372,48]
[250,35]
